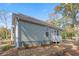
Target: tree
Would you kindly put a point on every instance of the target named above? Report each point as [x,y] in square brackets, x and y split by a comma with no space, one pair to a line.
[55,23]
[68,31]
[54,19]
[70,10]
[3,19]
[3,33]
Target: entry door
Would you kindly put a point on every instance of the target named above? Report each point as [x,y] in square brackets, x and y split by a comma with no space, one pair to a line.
[53,36]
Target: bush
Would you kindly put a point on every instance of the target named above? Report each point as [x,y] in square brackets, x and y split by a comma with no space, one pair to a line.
[63,34]
[5,33]
[6,47]
[66,34]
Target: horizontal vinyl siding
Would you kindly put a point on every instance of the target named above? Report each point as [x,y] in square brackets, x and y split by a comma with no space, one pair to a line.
[32,33]
[54,36]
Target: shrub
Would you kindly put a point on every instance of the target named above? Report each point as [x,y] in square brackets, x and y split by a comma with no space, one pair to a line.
[66,34]
[6,47]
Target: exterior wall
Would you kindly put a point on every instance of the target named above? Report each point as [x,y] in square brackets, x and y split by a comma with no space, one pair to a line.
[16,35]
[36,34]
[14,26]
[55,35]
[33,34]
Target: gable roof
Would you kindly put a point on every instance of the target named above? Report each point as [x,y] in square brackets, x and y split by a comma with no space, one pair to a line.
[26,18]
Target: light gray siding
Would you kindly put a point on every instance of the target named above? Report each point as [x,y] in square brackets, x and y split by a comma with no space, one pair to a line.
[55,35]
[36,34]
[32,33]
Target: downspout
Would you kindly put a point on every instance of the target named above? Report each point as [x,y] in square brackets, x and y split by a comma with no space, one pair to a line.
[17,33]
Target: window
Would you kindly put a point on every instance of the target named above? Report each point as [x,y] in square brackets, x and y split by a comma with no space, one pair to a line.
[54,32]
[57,32]
[47,34]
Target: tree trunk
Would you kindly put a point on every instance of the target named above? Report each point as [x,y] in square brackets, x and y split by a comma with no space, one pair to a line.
[75,28]
[76,31]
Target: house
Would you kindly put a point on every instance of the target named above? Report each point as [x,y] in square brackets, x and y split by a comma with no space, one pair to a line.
[30,31]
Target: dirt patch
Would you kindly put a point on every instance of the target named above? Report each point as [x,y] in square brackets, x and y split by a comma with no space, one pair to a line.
[66,48]
[10,52]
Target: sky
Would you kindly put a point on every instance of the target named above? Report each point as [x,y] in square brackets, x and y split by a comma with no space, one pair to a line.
[36,10]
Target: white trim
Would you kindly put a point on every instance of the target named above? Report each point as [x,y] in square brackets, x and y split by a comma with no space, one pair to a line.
[12,34]
[17,34]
